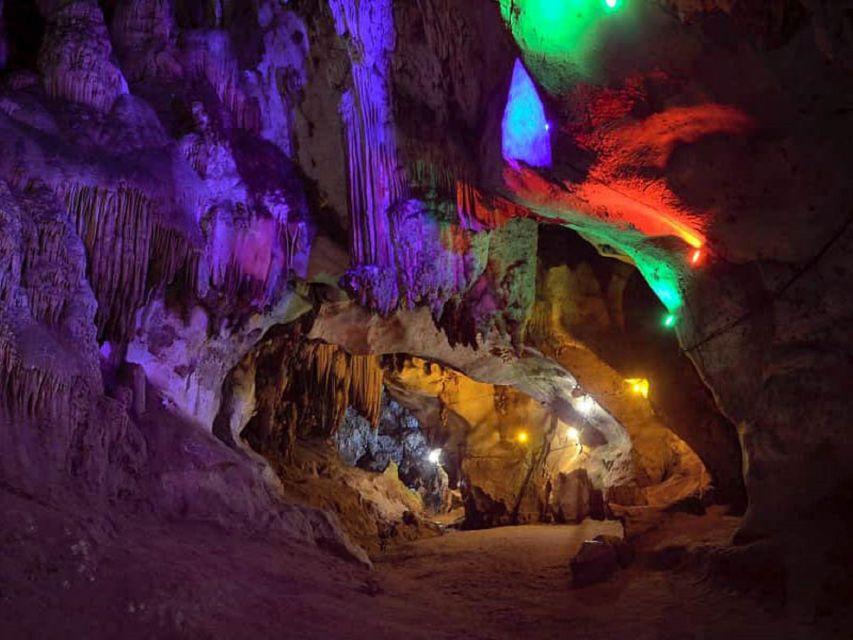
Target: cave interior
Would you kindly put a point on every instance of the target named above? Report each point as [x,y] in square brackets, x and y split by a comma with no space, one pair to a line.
[381,319]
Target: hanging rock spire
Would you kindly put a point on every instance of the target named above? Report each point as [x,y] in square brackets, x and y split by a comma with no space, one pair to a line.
[375,179]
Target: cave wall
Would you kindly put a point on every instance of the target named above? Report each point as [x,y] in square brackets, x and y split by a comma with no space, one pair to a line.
[749,167]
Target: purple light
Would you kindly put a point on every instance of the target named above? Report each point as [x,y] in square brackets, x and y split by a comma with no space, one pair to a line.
[525,129]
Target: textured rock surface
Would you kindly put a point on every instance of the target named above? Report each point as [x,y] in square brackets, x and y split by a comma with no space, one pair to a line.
[75,58]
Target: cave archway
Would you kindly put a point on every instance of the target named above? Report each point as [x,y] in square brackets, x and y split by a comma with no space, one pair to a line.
[593,304]
[520,439]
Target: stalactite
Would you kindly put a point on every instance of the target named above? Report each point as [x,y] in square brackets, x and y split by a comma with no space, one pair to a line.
[303,389]
[343,380]
[144,32]
[431,175]
[45,246]
[169,252]
[209,56]
[41,278]
[375,178]
[129,252]
[75,57]
[479,211]
[30,393]
[373,174]
[116,228]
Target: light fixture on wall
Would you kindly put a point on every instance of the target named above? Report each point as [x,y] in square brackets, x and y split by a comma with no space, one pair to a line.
[638,386]
[434,456]
[585,405]
[696,257]
[522,437]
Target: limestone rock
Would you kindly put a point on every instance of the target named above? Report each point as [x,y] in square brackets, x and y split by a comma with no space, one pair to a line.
[598,559]
[571,496]
[76,57]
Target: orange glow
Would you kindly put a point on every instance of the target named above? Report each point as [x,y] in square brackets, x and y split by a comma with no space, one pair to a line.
[639,386]
[522,437]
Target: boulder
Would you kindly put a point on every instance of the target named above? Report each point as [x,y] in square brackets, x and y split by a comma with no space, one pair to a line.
[571,497]
[598,559]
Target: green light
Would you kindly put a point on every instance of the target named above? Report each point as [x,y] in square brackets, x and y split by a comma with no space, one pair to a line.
[670,320]
[659,268]
[561,40]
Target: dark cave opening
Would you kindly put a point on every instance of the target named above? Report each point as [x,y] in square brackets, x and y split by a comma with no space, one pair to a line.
[24,33]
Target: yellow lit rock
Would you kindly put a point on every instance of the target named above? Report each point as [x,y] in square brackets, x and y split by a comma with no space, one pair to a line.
[639,386]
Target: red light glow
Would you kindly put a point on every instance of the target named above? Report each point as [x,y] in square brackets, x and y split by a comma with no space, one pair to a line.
[696,258]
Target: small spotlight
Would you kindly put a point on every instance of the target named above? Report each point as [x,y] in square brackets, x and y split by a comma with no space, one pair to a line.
[434,456]
[611,4]
[640,386]
[670,320]
[586,405]
[522,437]
[696,257]
[547,126]
[573,434]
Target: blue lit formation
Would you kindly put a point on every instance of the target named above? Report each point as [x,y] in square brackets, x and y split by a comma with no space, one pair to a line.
[525,130]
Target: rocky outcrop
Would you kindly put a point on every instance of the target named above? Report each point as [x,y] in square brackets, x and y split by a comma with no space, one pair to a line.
[397,440]
[598,559]
[56,425]
[144,34]
[76,57]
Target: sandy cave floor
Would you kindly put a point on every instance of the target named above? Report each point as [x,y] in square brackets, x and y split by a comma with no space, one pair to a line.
[196,581]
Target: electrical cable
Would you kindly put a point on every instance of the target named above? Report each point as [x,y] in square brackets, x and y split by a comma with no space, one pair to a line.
[811,263]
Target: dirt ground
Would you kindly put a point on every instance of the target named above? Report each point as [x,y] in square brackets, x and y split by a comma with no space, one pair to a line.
[197,581]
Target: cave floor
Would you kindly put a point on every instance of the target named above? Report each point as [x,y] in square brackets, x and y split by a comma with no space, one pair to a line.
[184,580]
[513,582]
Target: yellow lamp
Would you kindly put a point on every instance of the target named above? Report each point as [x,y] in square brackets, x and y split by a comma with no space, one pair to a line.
[522,437]
[640,386]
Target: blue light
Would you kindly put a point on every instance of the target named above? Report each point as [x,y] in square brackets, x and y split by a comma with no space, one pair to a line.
[525,129]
